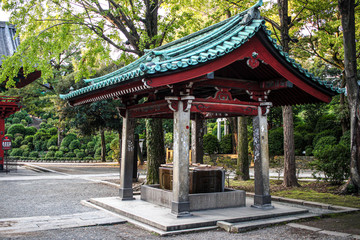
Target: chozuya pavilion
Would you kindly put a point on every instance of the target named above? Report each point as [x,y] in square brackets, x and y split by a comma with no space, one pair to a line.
[232,68]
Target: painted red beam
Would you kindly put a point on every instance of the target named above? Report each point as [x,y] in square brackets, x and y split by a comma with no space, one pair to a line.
[149,109]
[199,105]
[245,51]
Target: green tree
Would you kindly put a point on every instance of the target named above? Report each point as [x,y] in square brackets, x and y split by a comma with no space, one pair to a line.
[347,11]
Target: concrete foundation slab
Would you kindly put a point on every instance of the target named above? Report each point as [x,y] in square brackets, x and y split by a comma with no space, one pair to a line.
[162,219]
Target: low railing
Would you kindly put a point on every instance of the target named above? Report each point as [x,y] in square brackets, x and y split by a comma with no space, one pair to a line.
[10,99]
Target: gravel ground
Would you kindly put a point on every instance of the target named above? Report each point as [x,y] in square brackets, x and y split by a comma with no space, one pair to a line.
[49,197]
[128,231]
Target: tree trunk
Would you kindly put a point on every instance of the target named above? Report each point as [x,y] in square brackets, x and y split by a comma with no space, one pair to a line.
[347,8]
[234,132]
[242,171]
[103,145]
[197,142]
[289,149]
[155,149]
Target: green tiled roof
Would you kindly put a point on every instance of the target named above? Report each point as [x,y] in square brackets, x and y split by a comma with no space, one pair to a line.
[197,48]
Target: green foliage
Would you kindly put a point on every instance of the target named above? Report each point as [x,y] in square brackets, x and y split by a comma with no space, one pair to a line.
[50,154]
[30,130]
[211,144]
[16,152]
[115,149]
[225,144]
[332,159]
[52,131]
[9,136]
[28,119]
[80,155]
[34,154]
[276,141]
[70,155]
[53,148]
[74,144]
[326,133]
[15,120]
[169,140]
[17,142]
[52,142]
[16,128]
[68,139]
[59,154]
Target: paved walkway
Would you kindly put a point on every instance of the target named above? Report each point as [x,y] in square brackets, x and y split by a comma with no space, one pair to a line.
[41,223]
[50,200]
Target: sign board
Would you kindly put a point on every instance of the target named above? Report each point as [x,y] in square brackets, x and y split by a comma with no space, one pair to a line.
[6,143]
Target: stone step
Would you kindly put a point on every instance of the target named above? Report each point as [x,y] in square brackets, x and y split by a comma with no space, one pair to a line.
[262,223]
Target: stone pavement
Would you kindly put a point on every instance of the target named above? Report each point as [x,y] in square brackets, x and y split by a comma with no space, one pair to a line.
[49,190]
[41,223]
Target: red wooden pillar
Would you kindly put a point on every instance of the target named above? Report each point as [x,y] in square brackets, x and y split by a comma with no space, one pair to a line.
[2,133]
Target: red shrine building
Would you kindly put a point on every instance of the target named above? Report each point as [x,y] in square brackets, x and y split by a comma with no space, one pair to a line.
[233,68]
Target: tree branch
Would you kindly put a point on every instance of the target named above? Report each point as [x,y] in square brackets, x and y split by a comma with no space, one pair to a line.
[272,22]
[295,18]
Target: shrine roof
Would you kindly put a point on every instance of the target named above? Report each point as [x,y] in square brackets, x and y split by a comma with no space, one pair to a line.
[8,42]
[194,50]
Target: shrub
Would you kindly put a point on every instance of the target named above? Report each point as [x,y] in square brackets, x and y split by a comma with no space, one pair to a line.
[64,149]
[59,154]
[40,136]
[333,160]
[44,125]
[211,144]
[29,139]
[52,142]
[16,128]
[97,153]
[326,133]
[225,144]
[16,152]
[50,154]
[74,144]
[26,153]
[115,149]
[80,155]
[299,143]
[38,146]
[70,155]
[276,141]
[17,142]
[9,135]
[34,154]
[91,145]
[68,139]
[308,151]
[24,122]
[53,148]
[28,119]
[15,120]
[346,139]
[52,131]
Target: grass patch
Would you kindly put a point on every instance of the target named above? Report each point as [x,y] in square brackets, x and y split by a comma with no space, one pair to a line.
[321,192]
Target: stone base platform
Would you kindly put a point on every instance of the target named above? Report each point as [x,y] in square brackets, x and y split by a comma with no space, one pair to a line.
[160,218]
[198,201]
